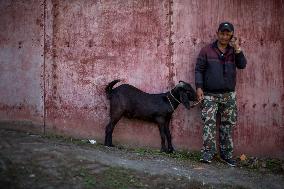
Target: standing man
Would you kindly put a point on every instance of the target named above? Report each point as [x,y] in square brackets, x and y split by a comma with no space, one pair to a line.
[215,80]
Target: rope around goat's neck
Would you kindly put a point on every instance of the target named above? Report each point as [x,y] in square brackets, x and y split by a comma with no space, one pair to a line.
[195,104]
[174,97]
[170,103]
[192,106]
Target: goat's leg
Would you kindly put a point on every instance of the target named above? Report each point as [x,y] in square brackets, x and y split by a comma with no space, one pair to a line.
[109,130]
[161,124]
[169,136]
[108,134]
[163,138]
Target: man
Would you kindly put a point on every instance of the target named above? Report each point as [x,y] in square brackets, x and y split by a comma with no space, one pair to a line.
[215,79]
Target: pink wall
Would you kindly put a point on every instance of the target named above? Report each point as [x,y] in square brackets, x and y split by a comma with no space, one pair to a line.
[91,43]
[57,57]
[21,61]
[260,87]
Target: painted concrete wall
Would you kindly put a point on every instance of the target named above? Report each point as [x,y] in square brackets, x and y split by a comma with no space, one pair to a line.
[58,56]
[21,60]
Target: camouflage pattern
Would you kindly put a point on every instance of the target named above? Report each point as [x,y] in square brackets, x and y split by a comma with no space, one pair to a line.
[226,105]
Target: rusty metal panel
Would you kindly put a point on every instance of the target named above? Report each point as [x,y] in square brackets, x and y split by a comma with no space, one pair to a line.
[90,43]
[260,90]
[149,44]
[21,60]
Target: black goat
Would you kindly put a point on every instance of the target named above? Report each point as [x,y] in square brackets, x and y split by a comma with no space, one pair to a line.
[128,101]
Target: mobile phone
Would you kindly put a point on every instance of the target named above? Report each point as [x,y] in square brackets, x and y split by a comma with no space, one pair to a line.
[233,40]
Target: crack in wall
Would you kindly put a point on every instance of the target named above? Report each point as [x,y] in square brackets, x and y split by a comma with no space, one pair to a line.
[171,47]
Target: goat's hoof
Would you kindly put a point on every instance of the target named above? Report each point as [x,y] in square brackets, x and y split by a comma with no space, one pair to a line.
[109,145]
[171,150]
[164,150]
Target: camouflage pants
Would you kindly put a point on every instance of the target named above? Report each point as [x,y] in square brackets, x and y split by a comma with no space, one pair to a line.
[226,105]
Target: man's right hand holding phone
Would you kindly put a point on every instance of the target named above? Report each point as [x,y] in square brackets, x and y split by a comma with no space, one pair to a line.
[235,43]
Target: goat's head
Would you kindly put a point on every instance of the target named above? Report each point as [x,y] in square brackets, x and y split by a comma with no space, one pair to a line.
[186,93]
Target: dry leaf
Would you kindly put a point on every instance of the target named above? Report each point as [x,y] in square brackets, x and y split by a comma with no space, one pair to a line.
[243,157]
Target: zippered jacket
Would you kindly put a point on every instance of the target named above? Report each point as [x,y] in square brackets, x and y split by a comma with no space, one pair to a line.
[215,72]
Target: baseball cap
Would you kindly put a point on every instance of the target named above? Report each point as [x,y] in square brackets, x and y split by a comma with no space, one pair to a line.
[226,26]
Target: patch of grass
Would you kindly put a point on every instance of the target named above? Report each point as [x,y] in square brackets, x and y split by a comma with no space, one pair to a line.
[144,151]
[120,178]
[185,155]
[273,163]
[259,164]
[178,155]
[113,177]
[66,139]
[89,180]
[58,137]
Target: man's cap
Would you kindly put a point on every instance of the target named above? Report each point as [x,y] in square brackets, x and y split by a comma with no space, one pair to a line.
[226,26]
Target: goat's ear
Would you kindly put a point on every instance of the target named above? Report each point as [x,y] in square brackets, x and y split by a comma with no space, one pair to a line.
[180,84]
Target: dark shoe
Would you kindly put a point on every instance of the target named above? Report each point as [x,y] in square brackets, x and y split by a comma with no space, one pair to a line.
[231,162]
[206,158]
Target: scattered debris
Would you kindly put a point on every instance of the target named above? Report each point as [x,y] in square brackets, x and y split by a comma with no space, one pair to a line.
[274,165]
[243,157]
[92,141]
[32,175]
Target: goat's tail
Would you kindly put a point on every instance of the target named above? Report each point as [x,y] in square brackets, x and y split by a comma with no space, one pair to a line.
[109,87]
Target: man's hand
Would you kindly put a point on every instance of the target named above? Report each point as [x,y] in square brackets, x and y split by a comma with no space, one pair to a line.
[200,94]
[236,44]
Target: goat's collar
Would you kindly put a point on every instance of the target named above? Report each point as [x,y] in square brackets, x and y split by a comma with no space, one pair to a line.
[170,103]
[174,97]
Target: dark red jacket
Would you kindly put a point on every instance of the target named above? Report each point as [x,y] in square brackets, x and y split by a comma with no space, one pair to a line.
[215,72]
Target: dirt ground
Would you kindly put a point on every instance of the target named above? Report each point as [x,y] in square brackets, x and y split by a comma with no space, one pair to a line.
[34,161]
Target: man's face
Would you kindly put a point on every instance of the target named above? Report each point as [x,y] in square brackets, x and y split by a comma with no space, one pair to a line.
[224,37]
